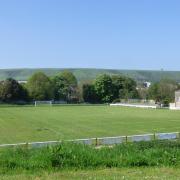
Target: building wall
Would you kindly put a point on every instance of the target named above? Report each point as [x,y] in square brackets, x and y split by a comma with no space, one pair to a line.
[177,98]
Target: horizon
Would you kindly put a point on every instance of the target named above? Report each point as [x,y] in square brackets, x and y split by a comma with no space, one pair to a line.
[124,35]
[82,68]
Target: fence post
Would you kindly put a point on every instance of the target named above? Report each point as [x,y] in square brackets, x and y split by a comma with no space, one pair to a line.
[26,145]
[154,136]
[126,139]
[96,141]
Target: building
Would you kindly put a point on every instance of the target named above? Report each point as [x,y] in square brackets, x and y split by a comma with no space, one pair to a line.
[147,84]
[177,98]
[176,104]
[22,82]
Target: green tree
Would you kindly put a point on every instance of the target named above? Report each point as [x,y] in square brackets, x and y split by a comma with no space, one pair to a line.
[164,91]
[129,90]
[104,88]
[143,93]
[118,85]
[12,91]
[124,87]
[40,87]
[89,93]
[65,86]
[69,77]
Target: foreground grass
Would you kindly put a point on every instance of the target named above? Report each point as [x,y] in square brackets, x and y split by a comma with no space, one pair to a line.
[27,124]
[143,160]
[113,173]
[78,156]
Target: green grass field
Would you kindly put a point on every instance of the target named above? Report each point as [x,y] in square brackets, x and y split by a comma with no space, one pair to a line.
[27,124]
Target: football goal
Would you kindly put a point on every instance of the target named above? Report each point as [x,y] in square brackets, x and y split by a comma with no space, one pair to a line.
[42,103]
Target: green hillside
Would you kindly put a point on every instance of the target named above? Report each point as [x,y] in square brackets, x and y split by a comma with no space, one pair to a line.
[89,74]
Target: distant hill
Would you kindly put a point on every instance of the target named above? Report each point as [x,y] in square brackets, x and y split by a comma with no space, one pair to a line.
[89,74]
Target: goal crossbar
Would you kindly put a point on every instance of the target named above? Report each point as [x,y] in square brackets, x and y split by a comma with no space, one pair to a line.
[36,103]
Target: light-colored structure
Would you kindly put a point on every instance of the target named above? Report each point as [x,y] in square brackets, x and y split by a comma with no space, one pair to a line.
[177,98]
[176,104]
[147,84]
[22,82]
[134,105]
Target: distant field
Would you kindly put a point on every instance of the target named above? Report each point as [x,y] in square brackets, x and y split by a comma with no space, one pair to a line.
[27,124]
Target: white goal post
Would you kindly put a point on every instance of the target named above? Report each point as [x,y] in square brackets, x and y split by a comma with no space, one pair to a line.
[39,103]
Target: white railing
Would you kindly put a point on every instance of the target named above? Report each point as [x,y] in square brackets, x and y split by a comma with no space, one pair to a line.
[134,105]
[103,140]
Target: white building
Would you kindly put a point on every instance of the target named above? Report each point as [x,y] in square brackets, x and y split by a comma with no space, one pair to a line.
[147,84]
[176,104]
[22,82]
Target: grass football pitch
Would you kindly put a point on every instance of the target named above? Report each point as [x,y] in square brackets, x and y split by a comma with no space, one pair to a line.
[28,124]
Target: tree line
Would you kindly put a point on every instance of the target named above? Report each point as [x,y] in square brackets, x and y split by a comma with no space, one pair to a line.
[65,87]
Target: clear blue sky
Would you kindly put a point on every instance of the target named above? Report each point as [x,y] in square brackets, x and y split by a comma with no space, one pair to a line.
[121,34]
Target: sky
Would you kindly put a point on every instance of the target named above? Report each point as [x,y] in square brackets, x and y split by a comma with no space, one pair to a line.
[111,34]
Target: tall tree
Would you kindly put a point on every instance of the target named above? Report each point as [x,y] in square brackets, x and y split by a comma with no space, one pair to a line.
[89,93]
[40,87]
[69,77]
[12,91]
[164,91]
[143,93]
[118,85]
[65,86]
[124,87]
[104,88]
[129,91]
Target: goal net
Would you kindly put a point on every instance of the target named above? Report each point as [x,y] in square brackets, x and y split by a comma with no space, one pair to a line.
[42,103]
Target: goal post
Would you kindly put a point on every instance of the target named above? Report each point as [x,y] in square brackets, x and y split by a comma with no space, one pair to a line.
[42,103]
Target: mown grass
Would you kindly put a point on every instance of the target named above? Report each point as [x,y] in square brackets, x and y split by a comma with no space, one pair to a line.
[150,173]
[77,156]
[27,124]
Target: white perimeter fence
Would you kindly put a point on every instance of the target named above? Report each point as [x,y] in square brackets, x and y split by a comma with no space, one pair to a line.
[103,141]
[135,105]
